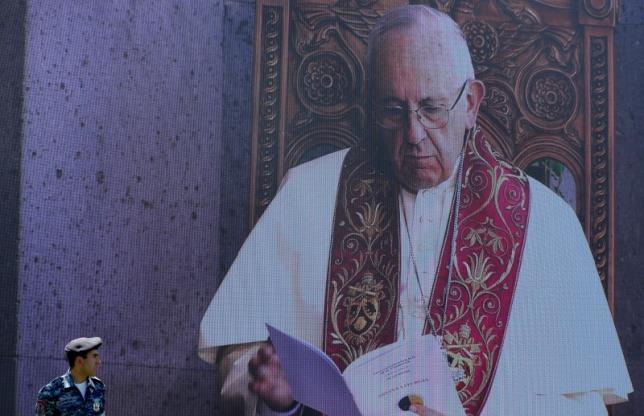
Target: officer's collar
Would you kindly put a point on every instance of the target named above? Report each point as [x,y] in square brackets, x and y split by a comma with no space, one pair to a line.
[68,380]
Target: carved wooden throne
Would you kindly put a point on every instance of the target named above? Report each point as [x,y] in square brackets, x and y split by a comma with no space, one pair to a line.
[549,107]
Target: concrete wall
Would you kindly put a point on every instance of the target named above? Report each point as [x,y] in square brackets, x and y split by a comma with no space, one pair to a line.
[120,196]
[239,32]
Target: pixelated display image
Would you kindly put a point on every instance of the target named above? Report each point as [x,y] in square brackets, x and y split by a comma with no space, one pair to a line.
[141,142]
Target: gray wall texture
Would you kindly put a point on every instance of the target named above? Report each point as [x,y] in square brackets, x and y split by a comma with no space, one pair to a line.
[120,196]
[128,168]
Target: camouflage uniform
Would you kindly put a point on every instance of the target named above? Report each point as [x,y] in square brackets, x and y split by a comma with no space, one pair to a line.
[62,398]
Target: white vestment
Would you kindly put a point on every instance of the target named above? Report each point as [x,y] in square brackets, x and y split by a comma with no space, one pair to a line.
[561,354]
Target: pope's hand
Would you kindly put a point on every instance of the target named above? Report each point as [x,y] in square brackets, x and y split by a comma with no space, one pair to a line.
[268,380]
[424,411]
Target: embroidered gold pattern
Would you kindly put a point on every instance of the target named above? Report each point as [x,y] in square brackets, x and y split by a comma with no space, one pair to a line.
[363,275]
[492,224]
[362,291]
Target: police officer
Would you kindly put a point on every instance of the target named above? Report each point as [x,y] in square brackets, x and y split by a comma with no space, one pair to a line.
[78,392]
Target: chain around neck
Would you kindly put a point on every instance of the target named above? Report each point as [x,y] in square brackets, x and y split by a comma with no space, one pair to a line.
[426,300]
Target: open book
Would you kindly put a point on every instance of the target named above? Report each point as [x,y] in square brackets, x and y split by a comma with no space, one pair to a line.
[379,383]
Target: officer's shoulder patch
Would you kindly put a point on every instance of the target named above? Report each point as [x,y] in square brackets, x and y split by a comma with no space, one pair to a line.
[40,407]
[51,390]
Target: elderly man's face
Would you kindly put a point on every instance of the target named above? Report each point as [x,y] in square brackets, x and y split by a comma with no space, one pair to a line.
[417,71]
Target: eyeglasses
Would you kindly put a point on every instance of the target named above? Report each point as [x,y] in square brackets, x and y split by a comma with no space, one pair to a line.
[392,117]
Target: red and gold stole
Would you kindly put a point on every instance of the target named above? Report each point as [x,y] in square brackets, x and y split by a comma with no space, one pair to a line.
[363,272]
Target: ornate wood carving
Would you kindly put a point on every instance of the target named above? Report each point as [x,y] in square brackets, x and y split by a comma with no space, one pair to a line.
[328,42]
[547,66]
[598,12]
[268,114]
[597,8]
[599,153]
